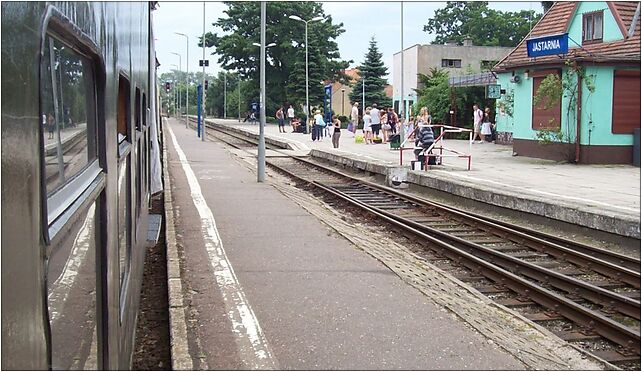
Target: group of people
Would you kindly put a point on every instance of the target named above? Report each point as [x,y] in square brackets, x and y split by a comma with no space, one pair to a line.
[482,125]
[381,126]
[376,121]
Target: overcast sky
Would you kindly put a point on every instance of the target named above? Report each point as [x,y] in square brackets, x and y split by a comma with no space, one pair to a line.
[361,20]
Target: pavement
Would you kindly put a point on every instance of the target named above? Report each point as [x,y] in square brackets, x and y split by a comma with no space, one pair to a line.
[602,197]
[262,277]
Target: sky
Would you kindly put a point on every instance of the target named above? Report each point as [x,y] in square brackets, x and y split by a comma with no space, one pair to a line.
[361,20]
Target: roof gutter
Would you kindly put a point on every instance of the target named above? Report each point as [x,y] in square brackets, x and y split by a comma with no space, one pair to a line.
[634,21]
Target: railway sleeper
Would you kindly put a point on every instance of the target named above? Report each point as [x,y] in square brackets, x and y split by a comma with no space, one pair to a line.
[544,316]
[616,357]
[581,335]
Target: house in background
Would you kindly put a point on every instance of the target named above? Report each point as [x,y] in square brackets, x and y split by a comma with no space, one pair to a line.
[603,60]
[341,104]
[458,60]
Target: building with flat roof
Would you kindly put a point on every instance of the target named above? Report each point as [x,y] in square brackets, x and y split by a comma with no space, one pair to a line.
[456,59]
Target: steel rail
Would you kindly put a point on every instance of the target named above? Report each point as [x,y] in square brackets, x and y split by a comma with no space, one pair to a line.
[595,294]
[630,263]
[614,331]
[601,266]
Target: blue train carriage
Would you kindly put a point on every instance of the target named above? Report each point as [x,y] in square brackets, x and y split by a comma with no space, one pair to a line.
[80,161]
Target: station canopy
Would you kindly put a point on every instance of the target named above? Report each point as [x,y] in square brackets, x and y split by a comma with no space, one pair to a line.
[474,80]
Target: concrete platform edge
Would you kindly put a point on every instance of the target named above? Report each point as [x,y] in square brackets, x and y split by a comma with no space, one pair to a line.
[179,350]
[620,225]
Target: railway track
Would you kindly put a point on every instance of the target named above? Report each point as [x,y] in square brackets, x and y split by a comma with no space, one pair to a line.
[587,295]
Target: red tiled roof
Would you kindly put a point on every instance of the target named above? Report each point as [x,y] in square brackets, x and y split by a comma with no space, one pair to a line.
[556,21]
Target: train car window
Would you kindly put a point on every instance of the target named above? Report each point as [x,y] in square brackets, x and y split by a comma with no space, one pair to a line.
[71,294]
[138,112]
[124,115]
[139,153]
[124,220]
[68,113]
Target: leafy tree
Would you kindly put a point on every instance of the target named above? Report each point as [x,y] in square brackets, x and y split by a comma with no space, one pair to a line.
[486,27]
[285,62]
[373,71]
[435,94]
[547,5]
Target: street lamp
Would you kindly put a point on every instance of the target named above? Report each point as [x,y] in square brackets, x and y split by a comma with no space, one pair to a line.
[187,77]
[270,45]
[307,97]
[343,107]
[175,90]
[180,67]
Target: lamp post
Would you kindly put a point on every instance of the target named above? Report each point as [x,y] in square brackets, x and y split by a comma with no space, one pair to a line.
[203,86]
[180,67]
[343,107]
[261,149]
[187,77]
[224,94]
[307,97]
[238,83]
[175,91]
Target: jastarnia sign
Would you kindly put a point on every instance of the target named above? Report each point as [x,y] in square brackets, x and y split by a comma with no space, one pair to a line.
[547,45]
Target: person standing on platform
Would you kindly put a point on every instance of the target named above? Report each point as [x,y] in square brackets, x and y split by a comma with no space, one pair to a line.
[354,115]
[290,115]
[486,129]
[280,119]
[478,117]
[367,127]
[376,120]
[336,124]
[51,125]
[393,120]
[319,124]
[385,126]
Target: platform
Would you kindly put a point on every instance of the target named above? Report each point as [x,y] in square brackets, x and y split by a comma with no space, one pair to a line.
[264,276]
[601,197]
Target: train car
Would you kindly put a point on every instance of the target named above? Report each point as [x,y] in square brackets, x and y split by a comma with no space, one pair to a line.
[80,159]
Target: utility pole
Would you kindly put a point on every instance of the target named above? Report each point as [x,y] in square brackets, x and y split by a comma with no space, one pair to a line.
[203,86]
[261,149]
[224,94]
[238,82]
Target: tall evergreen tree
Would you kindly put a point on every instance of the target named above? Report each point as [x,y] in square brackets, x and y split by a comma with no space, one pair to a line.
[373,71]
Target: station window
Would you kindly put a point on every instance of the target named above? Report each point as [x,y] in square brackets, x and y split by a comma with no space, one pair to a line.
[592,25]
[452,63]
[68,114]
[626,101]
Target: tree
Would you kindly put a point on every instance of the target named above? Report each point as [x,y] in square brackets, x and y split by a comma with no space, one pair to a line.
[547,5]
[460,20]
[433,93]
[372,70]
[285,62]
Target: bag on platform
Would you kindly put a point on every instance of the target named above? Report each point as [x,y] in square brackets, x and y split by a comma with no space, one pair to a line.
[350,127]
[358,138]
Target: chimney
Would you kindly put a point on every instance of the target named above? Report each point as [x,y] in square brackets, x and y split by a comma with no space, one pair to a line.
[468,42]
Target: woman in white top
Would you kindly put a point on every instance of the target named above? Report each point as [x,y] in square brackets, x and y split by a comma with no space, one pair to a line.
[367,126]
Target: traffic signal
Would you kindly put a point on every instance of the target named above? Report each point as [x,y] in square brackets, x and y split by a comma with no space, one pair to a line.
[206,83]
[167,86]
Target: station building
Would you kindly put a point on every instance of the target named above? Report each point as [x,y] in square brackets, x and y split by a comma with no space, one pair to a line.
[600,80]
[458,60]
